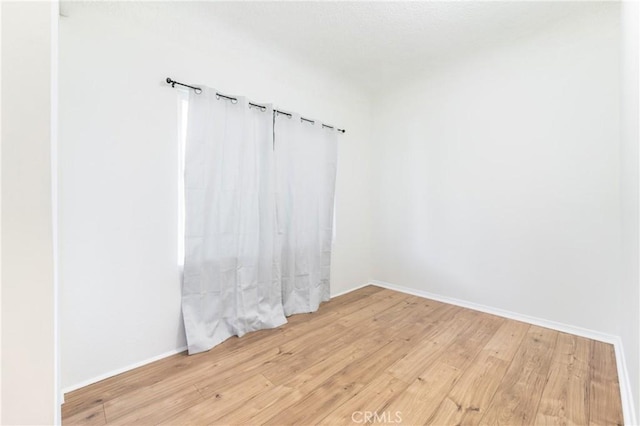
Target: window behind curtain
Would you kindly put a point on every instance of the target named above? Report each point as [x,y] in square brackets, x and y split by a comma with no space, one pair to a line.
[183,113]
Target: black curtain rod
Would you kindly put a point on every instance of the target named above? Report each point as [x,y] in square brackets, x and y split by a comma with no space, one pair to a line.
[198,90]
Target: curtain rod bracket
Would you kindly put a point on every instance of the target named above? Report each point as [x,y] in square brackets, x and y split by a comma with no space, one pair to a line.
[198,90]
[173,84]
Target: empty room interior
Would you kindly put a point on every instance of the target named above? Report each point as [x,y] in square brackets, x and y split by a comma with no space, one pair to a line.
[297,213]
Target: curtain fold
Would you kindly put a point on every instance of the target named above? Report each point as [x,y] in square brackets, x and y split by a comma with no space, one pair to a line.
[231,282]
[258,217]
[306,161]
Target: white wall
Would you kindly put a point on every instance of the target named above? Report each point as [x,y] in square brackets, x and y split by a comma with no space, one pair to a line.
[1,399]
[630,291]
[28,315]
[120,299]
[498,176]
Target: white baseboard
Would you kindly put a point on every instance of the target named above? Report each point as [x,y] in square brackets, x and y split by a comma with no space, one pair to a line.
[120,371]
[565,328]
[628,406]
[350,290]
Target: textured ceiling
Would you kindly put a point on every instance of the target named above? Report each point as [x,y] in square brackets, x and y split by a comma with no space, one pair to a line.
[378,43]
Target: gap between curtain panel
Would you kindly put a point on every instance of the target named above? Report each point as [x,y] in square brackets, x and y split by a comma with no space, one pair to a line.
[259,198]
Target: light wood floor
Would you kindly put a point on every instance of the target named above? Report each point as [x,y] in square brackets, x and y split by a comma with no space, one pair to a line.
[389,356]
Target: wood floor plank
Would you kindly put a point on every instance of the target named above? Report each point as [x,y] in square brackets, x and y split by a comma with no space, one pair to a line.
[152,410]
[507,339]
[565,399]
[424,395]
[294,355]
[376,353]
[339,388]
[307,381]
[348,301]
[376,395]
[225,368]
[220,401]
[92,416]
[604,390]
[518,395]
[418,402]
[415,320]
[221,370]
[409,367]
[469,398]
[310,379]
[362,342]
[466,345]
[291,360]
[254,406]
[374,308]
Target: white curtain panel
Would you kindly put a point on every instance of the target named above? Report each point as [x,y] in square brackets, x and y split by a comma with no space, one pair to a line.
[306,160]
[230,283]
